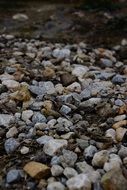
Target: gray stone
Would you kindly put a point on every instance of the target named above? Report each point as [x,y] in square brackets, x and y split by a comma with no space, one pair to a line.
[37,90]
[68,158]
[89,152]
[122,152]
[70,172]
[85,94]
[53,146]
[13,176]
[61,53]
[106,62]
[27,114]
[82,143]
[20,17]
[65,110]
[113,162]
[44,139]
[56,170]
[38,118]
[119,102]
[118,79]
[55,186]
[6,119]
[79,182]
[11,145]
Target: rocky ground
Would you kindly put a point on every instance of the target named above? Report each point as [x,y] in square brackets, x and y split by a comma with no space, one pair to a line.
[63,122]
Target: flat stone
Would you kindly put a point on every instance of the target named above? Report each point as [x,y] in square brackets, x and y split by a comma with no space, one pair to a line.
[37,170]
[79,182]
[53,146]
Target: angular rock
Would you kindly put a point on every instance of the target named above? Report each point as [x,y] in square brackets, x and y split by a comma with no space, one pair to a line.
[11,145]
[37,170]
[6,119]
[55,186]
[100,158]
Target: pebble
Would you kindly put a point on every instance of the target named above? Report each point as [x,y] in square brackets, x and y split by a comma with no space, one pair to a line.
[6,120]
[79,182]
[55,186]
[61,53]
[70,172]
[24,150]
[118,79]
[54,145]
[56,170]
[65,110]
[37,170]
[114,178]
[122,152]
[100,158]
[79,71]
[68,158]
[89,152]
[11,84]
[119,124]
[13,176]
[20,17]
[38,118]
[113,162]
[12,132]
[11,145]
[106,62]
[120,132]
[27,114]
[44,139]
[120,118]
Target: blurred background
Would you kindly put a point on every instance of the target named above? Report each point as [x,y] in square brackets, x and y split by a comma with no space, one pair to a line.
[93,21]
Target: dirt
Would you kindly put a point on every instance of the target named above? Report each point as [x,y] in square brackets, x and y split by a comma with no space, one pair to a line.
[64,22]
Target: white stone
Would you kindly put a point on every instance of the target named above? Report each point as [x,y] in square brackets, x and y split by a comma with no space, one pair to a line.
[24,150]
[70,172]
[61,53]
[55,186]
[44,139]
[74,87]
[6,119]
[79,70]
[79,182]
[53,146]
[11,84]
[113,162]
[56,170]
[20,17]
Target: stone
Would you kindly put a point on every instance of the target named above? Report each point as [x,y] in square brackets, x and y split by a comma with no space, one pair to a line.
[79,70]
[20,17]
[56,170]
[119,124]
[68,158]
[89,152]
[122,152]
[100,158]
[83,167]
[13,176]
[111,133]
[74,87]
[11,84]
[67,79]
[6,120]
[27,114]
[118,79]
[113,162]
[38,118]
[37,90]
[106,62]
[119,102]
[44,139]
[55,186]
[48,87]
[61,53]
[24,150]
[85,94]
[83,144]
[79,182]
[70,172]
[54,145]
[120,132]
[120,118]
[37,170]
[12,132]
[65,110]
[11,145]
[114,179]
[91,103]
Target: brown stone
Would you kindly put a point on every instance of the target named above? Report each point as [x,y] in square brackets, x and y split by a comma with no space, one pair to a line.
[37,170]
[119,124]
